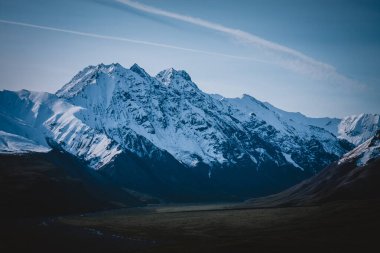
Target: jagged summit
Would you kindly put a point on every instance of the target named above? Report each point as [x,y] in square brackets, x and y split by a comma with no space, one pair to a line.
[101,67]
[139,70]
[89,76]
[178,80]
[105,77]
[169,74]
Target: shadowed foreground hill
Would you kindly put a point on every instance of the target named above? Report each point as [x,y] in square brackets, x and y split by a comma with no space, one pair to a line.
[337,182]
[39,184]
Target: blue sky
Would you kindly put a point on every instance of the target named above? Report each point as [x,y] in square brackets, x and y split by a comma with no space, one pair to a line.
[321,58]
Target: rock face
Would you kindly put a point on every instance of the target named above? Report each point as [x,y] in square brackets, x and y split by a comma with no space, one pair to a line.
[163,132]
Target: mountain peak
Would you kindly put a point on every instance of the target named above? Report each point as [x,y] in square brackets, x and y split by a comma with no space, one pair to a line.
[139,70]
[247,96]
[110,67]
[249,99]
[168,74]
[87,76]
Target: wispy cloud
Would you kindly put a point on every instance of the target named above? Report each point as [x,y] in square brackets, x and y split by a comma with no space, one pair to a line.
[284,56]
[129,40]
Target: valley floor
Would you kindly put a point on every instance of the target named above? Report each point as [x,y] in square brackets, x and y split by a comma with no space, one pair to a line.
[334,227]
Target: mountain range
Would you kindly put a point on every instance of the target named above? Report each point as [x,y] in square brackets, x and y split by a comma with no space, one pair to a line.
[165,137]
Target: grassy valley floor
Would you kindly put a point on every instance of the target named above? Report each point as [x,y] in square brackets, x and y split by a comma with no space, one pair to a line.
[349,226]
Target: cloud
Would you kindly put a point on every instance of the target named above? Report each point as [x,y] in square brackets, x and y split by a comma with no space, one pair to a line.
[124,39]
[283,56]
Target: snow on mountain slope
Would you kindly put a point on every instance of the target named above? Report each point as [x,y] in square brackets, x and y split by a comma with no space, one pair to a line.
[368,150]
[11,143]
[329,124]
[147,109]
[287,125]
[46,119]
[359,128]
[355,129]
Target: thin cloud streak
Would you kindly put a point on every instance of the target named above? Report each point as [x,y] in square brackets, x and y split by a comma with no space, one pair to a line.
[123,39]
[285,57]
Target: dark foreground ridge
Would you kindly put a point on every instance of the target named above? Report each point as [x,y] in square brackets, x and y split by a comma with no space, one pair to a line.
[55,183]
[336,182]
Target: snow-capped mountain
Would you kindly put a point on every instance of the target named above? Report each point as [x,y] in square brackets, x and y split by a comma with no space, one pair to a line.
[170,113]
[107,111]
